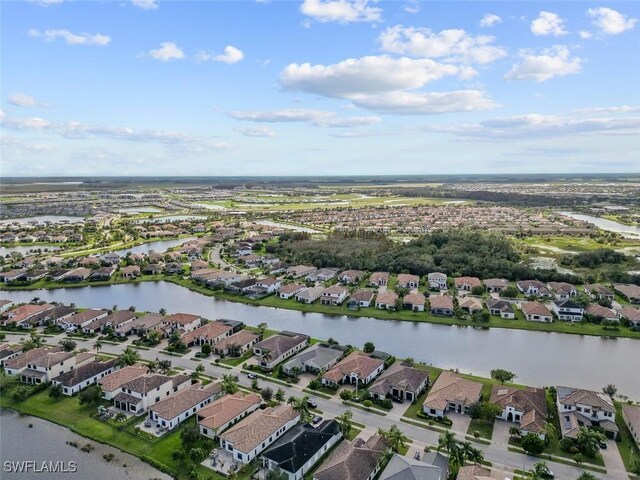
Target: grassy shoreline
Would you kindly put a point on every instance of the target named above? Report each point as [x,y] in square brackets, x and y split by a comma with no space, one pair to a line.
[275,302]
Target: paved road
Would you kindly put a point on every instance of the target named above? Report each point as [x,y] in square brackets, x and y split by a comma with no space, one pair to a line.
[216,258]
[503,460]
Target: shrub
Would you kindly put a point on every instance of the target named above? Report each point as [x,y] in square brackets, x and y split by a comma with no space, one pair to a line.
[532,444]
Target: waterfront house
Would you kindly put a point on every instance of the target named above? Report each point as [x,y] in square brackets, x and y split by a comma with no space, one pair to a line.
[451,392]
[137,395]
[467,283]
[334,295]
[631,416]
[568,310]
[631,314]
[629,291]
[298,450]
[112,383]
[104,273]
[46,367]
[360,299]
[414,302]
[527,407]
[175,409]
[386,301]
[598,312]
[252,435]
[536,312]
[236,344]
[579,407]
[81,377]
[357,367]
[495,285]
[81,320]
[279,347]
[130,271]
[21,315]
[599,292]
[225,411]
[183,322]
[210,333]
[470,304]
[441,305]
[501,308]
[309,295]
[437,280]
[269,285]
[18,363]
[401,381]
[317,359]
[354,460]
[406,280]
[77,275]
[110,258]
[114,320]
[12,275]
[291,290]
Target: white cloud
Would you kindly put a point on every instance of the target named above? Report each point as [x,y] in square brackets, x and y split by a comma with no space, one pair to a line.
[230,56]
[22,100]
[453,45]
[71,38]
[585,34]
[611,22]
[552,62]
[535,125]
[413,7]
[341,11]
[17,144]
[145,4]
[620,109]
[387,85]
[45,3]
[548,23]
[489,20]
[318,118]
[79,130]
[167,51]
[257,131]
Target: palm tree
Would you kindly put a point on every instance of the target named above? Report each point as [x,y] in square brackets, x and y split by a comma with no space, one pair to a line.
[610,390]
[549,431]
[230,384]
[152,367]
[97,346]
[515,432]
[538,472]
[128,357]
[447,441]
[588,441]
[301,406]
[395,437]
[200,369]
[345,422]
[470,453]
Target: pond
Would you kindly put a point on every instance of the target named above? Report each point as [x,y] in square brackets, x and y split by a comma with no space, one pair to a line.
[605,224]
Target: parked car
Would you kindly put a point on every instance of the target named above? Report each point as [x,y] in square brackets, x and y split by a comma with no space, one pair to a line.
[602,444]
[312,404]
[252,376]
[316,420]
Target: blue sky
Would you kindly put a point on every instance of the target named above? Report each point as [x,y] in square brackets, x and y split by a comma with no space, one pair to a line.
[144,87]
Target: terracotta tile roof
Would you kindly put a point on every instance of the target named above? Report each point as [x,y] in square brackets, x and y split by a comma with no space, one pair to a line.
[387,298]
[182,318]
[356,362]
[441,301]
[20,361]
[226,409]
[535,308]
[474,472]
[243,337]
[354,460]
[290,288]
[257,427]
[115,380]
[209,331]
[450,387]
[184,400]
[405,279]
[532,402]
[399,375]
[472,281]
[414,299]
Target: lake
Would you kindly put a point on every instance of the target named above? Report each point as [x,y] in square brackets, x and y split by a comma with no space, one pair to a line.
[538,358]
[47,441]
[43,219]
[605,224]
[24,249]
[171,218]
[160,246]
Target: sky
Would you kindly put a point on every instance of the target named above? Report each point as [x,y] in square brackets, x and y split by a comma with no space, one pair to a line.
[318,87]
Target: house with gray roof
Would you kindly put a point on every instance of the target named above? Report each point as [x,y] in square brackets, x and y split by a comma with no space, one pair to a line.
[578,407]
[278,348]
[75,380]
[317,359]
[408,468]
[400,380]
[356,460]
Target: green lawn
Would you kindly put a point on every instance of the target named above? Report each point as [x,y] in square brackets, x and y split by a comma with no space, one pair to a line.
[481,426]
[627,447]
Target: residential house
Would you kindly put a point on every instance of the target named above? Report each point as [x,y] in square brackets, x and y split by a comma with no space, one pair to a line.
[437,280]
[533,288]
[568,310]
[111,384]
[309,295]
[298,450]
[406,280]
[470,304]
[21,315]
[536,312]
[631,416]
[210,333]
[52,317]
[360,299]
[354,460]
[441,305]
[77,275]
[47,366]
[451,392]
[251,436]
[142,325]
[414,302]
[401,381]
[89,262]
[12,275]
[351,276]
[322,275]
[137,395]
[495,285]
[152,269]
[279,347]
[175,409]
[387,301]
[317,359]
[104,273]
[242,286]
[598,312]
[226,411]
[269,285]
[562,290]
[599,292]
[236,344]
[18,363]
[527,407]
[81,377]
[432,466]
[474,472]
[629,291]
[7,352]
[334,295]
[631,314]
[299,271]
[578,407]
[379,279]
[357,367]
[82,319]
[501,308]
[114,320]
[291,290]
[130,271]
[183,322]
[467,283]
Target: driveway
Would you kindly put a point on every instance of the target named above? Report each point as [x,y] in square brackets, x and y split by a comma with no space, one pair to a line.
[501,432]
[460,422]
[611,456]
